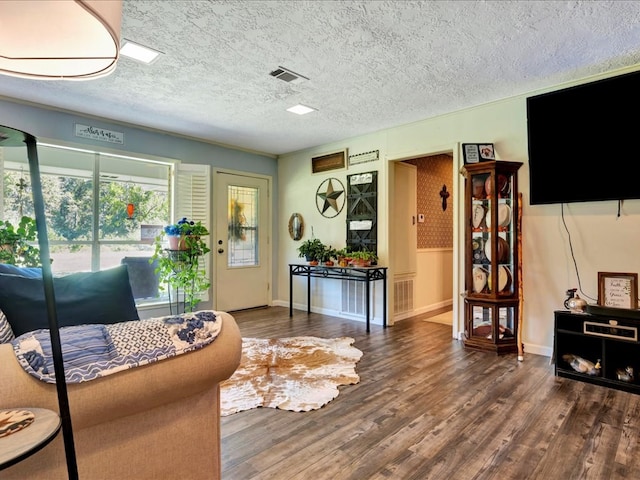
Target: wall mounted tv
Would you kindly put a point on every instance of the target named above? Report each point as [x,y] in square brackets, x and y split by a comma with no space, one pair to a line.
[582,142]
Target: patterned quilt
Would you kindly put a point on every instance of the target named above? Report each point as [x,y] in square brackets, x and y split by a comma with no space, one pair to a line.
[94,351]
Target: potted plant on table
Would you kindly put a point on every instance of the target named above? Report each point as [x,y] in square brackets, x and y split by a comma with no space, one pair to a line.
[15,243]
[312,249]
[342,255]
[363,258]
[185,235]
[181,266]
[328,254]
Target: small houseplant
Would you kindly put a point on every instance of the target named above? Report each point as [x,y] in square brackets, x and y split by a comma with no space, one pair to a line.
[311,249]
[181,269]
[16,243]
[185,235]
[342,255]
[363,258]
[328,254]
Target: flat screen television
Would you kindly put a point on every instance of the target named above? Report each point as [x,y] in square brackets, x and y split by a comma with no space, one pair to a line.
[582,142]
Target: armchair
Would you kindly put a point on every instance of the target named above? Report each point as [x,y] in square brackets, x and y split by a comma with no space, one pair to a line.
[160,420]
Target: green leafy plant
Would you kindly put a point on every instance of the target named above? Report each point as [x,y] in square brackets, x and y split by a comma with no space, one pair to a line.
[186,227]
[311,249]
[363,257]
[16,243]
[328,254]
[182,271]
[342,256]
[187,234]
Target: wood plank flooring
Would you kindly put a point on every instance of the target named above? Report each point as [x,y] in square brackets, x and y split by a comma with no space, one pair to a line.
[426,408]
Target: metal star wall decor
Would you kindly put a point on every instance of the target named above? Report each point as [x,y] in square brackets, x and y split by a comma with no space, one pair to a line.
[330,197]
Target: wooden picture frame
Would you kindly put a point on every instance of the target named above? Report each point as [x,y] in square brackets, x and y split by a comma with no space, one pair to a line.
[619,290]
[329,161]
[478,152]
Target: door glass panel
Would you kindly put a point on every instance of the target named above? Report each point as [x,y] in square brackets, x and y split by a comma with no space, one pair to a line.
[242,247]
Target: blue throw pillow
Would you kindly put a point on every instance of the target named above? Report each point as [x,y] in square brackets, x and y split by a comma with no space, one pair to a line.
[102,297]
[29,272]
[6,334]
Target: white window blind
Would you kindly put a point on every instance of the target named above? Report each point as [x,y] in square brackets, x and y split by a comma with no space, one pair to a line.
[193,200]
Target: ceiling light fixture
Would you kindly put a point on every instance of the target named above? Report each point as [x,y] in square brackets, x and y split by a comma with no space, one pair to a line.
[301,109]
[139,52]
[59,40]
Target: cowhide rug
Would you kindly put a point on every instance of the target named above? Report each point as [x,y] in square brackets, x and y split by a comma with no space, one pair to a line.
[296,373]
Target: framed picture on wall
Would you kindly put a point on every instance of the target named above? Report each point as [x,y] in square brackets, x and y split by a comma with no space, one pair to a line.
[477,152]
[329,161]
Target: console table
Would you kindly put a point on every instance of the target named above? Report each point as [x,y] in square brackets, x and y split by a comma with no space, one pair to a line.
[358,274]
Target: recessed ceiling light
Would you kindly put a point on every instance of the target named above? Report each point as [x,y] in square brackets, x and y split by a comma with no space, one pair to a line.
[139,52]
[301,109]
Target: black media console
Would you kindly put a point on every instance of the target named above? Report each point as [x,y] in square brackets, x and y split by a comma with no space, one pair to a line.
[611,341]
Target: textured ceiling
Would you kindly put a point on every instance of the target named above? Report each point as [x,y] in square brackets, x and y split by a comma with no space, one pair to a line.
[371,64]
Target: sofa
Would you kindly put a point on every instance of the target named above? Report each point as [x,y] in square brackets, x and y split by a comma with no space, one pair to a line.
[158,420]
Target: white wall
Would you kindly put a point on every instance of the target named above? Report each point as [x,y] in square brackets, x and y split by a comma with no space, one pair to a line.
[601,241]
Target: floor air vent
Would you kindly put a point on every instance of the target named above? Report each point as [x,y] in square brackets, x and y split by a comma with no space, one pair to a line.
[403,296]
[353,297]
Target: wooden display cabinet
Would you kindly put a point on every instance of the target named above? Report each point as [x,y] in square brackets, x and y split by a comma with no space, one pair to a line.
[491,255]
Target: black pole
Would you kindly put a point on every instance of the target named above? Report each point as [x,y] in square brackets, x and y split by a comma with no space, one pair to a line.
[49,295]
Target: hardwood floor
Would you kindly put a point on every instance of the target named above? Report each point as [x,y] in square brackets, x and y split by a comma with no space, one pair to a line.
[426,408]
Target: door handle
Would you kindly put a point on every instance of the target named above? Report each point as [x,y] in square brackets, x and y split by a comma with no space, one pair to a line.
[220,250]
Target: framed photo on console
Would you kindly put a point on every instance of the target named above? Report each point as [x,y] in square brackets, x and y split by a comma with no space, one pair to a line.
[619,290]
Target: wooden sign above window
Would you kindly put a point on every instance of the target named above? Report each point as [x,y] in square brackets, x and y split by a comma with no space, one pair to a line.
[329,161]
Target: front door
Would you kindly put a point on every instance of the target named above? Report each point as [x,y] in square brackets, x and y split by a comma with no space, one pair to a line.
[241,241]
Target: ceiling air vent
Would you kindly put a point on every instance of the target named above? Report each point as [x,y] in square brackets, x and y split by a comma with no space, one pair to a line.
[288,76]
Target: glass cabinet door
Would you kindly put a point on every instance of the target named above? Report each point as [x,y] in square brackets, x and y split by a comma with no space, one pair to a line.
[483,326]
[492,235]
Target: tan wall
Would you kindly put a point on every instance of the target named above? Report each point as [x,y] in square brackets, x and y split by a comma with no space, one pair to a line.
[434,279]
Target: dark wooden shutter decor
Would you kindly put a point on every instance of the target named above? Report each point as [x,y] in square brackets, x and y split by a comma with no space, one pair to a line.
[362,211]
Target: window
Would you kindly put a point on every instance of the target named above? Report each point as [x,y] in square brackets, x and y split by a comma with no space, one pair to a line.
[100,207]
